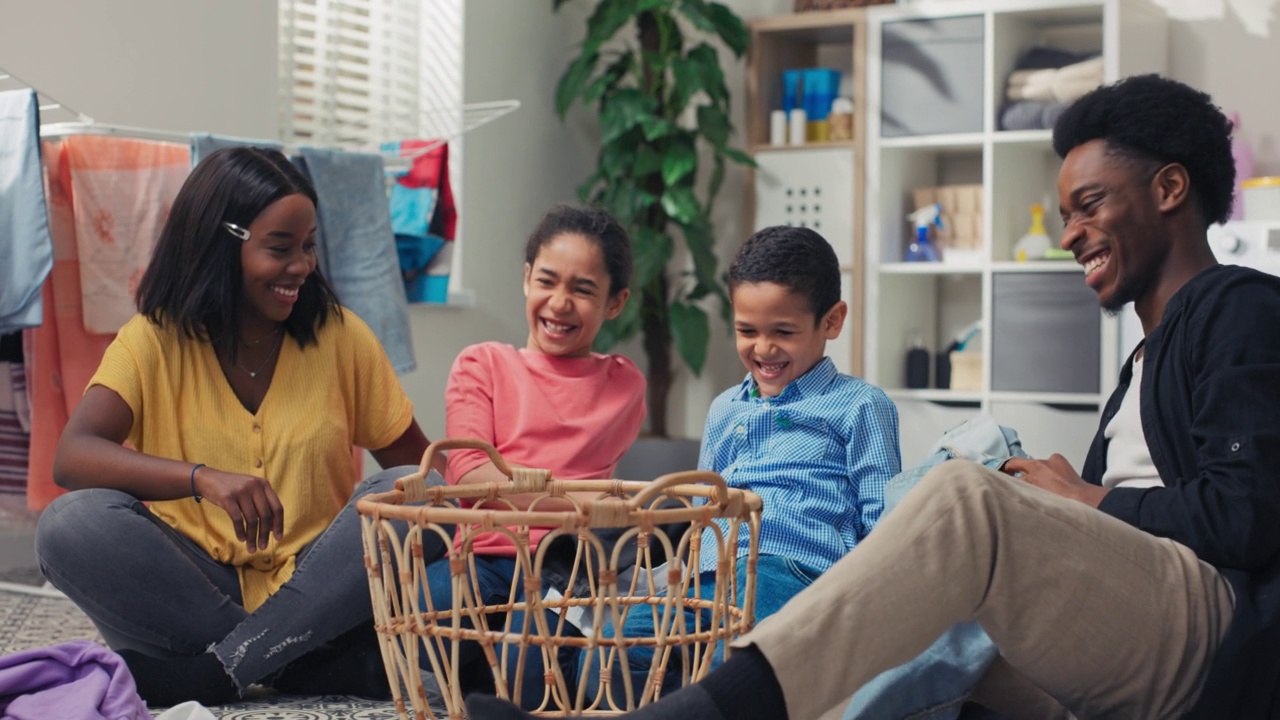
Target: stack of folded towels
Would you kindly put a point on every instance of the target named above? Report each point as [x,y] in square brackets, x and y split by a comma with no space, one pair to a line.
[1044,83]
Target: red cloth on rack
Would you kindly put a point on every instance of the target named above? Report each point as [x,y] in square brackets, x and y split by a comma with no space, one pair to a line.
[431,170]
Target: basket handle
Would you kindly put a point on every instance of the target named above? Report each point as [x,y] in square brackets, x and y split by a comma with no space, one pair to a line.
[720,488]
[529,479]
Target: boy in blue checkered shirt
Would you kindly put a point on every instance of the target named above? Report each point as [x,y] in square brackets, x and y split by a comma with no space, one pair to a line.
[817,445]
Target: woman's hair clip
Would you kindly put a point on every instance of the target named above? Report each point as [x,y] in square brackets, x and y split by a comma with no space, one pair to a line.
[234,229]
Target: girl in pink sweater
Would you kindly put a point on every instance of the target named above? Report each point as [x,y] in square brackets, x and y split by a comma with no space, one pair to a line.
[551,404]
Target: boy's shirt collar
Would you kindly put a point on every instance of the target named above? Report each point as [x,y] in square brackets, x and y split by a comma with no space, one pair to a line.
[813,381]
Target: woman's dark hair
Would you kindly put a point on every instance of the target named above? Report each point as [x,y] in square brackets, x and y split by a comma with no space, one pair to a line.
[1157,121]
[798,259]
[602,229]
[195,279]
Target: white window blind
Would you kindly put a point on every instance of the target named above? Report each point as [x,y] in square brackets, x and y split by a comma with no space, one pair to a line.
[350,70]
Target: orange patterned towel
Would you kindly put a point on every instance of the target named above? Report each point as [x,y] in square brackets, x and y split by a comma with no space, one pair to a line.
[122,190]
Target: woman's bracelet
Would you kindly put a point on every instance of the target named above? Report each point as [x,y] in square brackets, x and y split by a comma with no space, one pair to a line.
[195,494]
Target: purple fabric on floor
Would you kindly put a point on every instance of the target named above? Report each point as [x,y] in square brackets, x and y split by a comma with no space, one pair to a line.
[78,679]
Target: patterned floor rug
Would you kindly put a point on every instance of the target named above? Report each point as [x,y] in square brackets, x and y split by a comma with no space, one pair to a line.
[30,621]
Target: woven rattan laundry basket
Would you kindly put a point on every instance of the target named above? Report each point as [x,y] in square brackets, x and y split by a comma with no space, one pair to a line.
[635,515]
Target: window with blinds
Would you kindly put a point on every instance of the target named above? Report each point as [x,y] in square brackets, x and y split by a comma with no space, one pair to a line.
[358,72]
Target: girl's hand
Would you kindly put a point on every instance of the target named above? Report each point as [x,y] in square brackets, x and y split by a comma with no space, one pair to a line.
[251,502]
[1057,476]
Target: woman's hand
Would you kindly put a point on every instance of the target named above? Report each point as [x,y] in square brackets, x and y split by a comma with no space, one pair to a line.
[1057,476]
[251,502]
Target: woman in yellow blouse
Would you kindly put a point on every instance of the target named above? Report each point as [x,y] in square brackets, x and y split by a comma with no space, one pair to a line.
[240,388]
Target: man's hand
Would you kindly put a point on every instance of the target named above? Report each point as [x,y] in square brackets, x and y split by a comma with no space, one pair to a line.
[254,507]
[1057,476]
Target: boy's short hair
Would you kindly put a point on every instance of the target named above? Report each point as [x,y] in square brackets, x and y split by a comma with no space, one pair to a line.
[1158,121]
[796,258]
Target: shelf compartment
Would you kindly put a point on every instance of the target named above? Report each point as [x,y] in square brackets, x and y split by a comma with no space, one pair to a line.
[799,41]
[932,308]
[932,76]
[1022,174]
[904,169]
[1046,334]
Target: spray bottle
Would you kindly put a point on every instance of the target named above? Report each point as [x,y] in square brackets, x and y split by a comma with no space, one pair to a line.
[1036,242]
[920,249]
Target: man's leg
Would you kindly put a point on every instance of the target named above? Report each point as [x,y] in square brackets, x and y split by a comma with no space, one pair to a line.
[1010,694]
[1109,620]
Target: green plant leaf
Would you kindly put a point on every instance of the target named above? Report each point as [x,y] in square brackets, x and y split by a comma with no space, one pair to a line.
[609,79]
[626,202]
[739,157]
[609,17]
[624,110]
[620,329]
[686,82]
[573,81]
[729,27]
[672,40]
[691,332]
[717,177]
[707,63]
[616,158]
[647,161]
[679,162]
[714,124]
[681,204]
[651,251]
[656,127]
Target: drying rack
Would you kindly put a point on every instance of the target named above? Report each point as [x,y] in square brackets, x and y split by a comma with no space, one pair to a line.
[68,121]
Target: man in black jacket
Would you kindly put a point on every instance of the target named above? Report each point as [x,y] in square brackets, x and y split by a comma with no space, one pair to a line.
[1146,586]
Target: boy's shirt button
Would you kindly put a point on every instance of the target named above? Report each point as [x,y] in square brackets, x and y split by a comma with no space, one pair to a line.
[741,429]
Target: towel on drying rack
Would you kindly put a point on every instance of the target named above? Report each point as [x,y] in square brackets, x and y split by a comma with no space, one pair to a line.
[357,250]
[202,144]
[26,251]
[122,189]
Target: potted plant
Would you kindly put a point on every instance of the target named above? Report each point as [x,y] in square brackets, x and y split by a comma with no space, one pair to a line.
[649,69]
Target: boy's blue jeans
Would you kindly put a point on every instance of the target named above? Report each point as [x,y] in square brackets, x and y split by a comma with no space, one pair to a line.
[493,576]
[778,579]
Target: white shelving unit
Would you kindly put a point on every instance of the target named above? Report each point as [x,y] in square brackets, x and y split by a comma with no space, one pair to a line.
[1015,169]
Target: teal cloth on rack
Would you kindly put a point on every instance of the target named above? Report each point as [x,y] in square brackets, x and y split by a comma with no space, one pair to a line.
[202,144]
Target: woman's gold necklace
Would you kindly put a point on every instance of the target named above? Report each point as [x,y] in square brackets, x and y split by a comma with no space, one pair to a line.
[270,355]
[252,343]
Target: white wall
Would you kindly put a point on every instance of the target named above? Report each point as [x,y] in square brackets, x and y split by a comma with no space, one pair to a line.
[159,64]
[1220,58]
